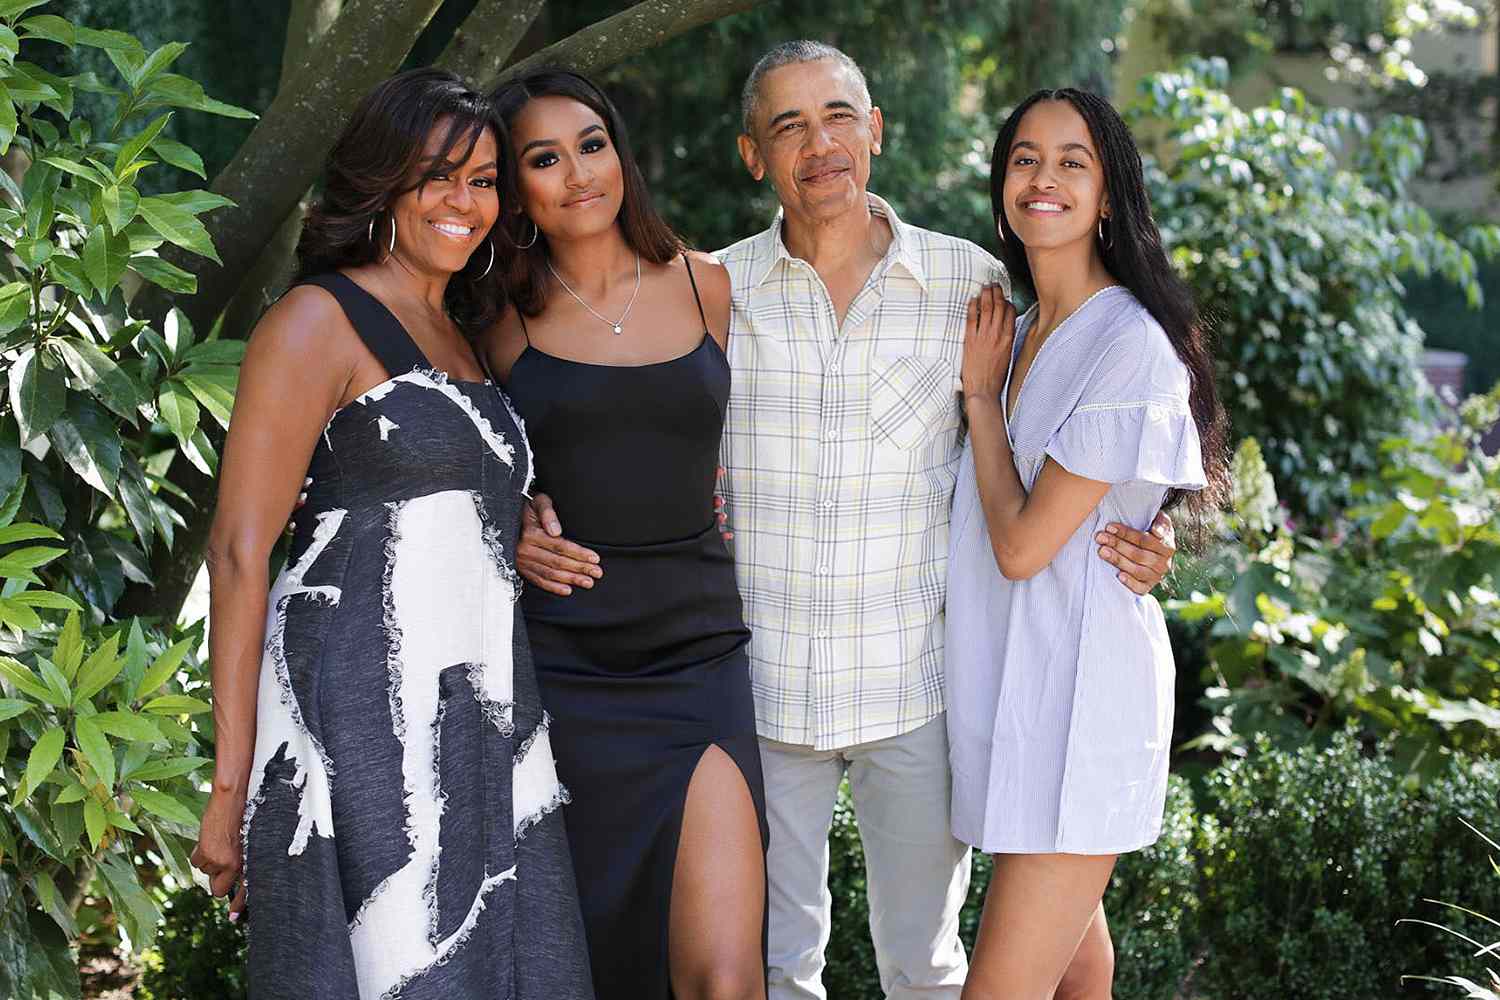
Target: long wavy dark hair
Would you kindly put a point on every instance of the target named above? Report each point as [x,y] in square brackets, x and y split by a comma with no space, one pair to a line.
[645,231]
[380,156]
[1132,251]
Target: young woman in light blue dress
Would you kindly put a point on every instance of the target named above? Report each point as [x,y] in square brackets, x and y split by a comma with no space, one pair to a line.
[1098,405]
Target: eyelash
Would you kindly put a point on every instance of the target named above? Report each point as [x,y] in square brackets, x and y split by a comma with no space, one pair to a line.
[1022,161]
[547,159]
[488,182]
[844,115]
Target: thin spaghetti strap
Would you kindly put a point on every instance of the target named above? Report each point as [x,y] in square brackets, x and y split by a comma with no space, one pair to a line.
[689,265]
[522,317]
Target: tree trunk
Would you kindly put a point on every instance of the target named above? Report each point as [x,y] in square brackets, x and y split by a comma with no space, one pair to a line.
[488,36]
[282,156]
[642,27]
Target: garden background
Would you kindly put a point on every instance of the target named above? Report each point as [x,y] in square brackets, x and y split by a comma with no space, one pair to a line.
[1325,174]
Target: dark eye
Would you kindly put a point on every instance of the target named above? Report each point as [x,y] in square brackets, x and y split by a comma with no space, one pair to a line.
[593,145]
[1073,163]
[1022,161]
[484,182]
[545,160]
[789,126]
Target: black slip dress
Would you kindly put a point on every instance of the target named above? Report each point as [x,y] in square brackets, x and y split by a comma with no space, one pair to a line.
[645,671]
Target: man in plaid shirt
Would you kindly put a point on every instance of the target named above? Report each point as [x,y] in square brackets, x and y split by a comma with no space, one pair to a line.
[841,446]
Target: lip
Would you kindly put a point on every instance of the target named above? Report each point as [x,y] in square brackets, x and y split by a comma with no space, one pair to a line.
[434,224]
[824,176]
[587,199]
[1027,206]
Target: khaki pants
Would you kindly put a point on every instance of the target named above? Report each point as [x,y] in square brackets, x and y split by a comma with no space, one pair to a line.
[918,874]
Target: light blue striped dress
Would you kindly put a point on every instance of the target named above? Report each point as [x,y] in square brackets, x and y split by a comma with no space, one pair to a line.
[1060,687]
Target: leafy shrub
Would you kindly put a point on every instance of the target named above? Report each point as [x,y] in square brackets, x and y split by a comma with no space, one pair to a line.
[1295,242]
[1481,949]
[198,952]
[1151,903]
[1314,855]
[97,748]
[1393,623]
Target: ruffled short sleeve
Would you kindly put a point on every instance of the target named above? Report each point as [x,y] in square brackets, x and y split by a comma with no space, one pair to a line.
[1132,422]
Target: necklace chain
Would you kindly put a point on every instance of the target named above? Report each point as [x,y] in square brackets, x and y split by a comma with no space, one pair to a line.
[614,324]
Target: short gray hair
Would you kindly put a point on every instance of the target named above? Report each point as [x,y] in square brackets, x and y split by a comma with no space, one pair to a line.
[792,53]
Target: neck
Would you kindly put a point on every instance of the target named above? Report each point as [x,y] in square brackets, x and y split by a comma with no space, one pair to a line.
[592,266]
[1064,277]
[409,281]
[830,245]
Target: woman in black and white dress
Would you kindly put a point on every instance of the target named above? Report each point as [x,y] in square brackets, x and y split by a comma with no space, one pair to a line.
[379,735]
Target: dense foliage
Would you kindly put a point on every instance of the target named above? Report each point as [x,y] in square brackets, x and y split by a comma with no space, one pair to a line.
[98,751]
[1294,244]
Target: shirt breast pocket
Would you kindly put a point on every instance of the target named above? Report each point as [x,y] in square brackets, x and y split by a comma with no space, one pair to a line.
[912,399]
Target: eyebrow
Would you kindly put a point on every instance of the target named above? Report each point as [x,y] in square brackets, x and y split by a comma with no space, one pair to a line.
[533,144]
[797,112]
[1066,147]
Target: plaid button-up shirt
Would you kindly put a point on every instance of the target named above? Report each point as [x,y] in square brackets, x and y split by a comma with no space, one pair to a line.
[841,446]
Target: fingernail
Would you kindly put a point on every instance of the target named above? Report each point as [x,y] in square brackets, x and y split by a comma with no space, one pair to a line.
[1123,578]
[587,584]
[1101,538]
[596,572]
[234,917]
[728,535]
[567,591]
[593,557]
[1113,529]
[1105,552]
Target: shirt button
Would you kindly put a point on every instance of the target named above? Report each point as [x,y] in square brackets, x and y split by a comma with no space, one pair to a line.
[824,569]
[822,633]
[830,435]
[828,505]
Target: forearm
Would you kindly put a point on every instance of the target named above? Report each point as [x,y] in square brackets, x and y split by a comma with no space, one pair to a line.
[1002,497]
[237,617]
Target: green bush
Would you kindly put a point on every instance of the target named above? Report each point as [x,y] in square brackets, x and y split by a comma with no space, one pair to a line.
[1152,907]
[1294,243]
[1484,952]
[198,952]
[1392,624]
[1313,857]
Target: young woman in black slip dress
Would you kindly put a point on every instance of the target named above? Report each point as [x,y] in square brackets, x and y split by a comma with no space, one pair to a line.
[614,355]
[384,792]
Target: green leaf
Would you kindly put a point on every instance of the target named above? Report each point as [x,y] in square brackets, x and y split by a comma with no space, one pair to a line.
[100,375]
[56,682]
[9,123]
[21,677]
[50,27]
[175,90]
[15,8]
[179,155]
[15,304]
[19,616]
[75,792]
[89,443]
[12,501]
[38,395]
[166,274]
[77,170]
[162,670]
[160,770]
[127,726]
[216,399]
[12,707]
[103,666]
[157,62]
[132,148]
[178,225]
[67,270]
[105,258]
[50,600]
[31,556]
[197,201]
[26,533]
[43,758]
[68,653]
[96,749]
[200,452]
[132,905]
[31,84]
[164,805]
[178,409]
[52,902]
[62,103]
[176,704]
[135,656]
[10,44]
[120,206]
[34,251]
[93,821]
[217,352]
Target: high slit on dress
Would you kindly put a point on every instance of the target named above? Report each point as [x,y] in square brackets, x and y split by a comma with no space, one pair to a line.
[646,670]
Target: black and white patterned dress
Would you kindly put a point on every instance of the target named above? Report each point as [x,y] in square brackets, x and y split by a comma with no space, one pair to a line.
[403,838]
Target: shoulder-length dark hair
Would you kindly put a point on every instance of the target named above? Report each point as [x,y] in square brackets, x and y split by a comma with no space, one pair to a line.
[645,231]
[382,155]
[1132,252]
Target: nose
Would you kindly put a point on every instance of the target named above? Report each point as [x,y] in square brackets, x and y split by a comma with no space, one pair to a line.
[818,140]
[580,174]
[459,197]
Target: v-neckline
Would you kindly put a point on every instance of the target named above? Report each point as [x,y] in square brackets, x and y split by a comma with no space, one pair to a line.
[1006,409]
[415,346]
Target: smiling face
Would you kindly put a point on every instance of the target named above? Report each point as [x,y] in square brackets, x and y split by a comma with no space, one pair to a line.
[440,223]
[568,173]
[1054,192]
[813,137]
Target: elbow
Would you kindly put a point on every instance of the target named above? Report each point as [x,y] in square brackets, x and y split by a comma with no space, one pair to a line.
[1016,565]
[231,556]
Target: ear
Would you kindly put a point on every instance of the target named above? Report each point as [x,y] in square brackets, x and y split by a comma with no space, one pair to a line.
[1104,210]
[877,130]
[750,154]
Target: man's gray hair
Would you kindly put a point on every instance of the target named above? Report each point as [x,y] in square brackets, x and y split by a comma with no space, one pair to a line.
[790,54]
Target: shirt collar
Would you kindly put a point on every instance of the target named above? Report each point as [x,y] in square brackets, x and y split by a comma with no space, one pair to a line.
[771,250]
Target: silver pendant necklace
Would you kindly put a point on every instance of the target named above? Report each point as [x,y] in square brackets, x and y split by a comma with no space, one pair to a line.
[616,325]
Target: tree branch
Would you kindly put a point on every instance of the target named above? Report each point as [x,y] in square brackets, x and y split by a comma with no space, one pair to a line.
[488,36]
[642,27]
[286,150]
